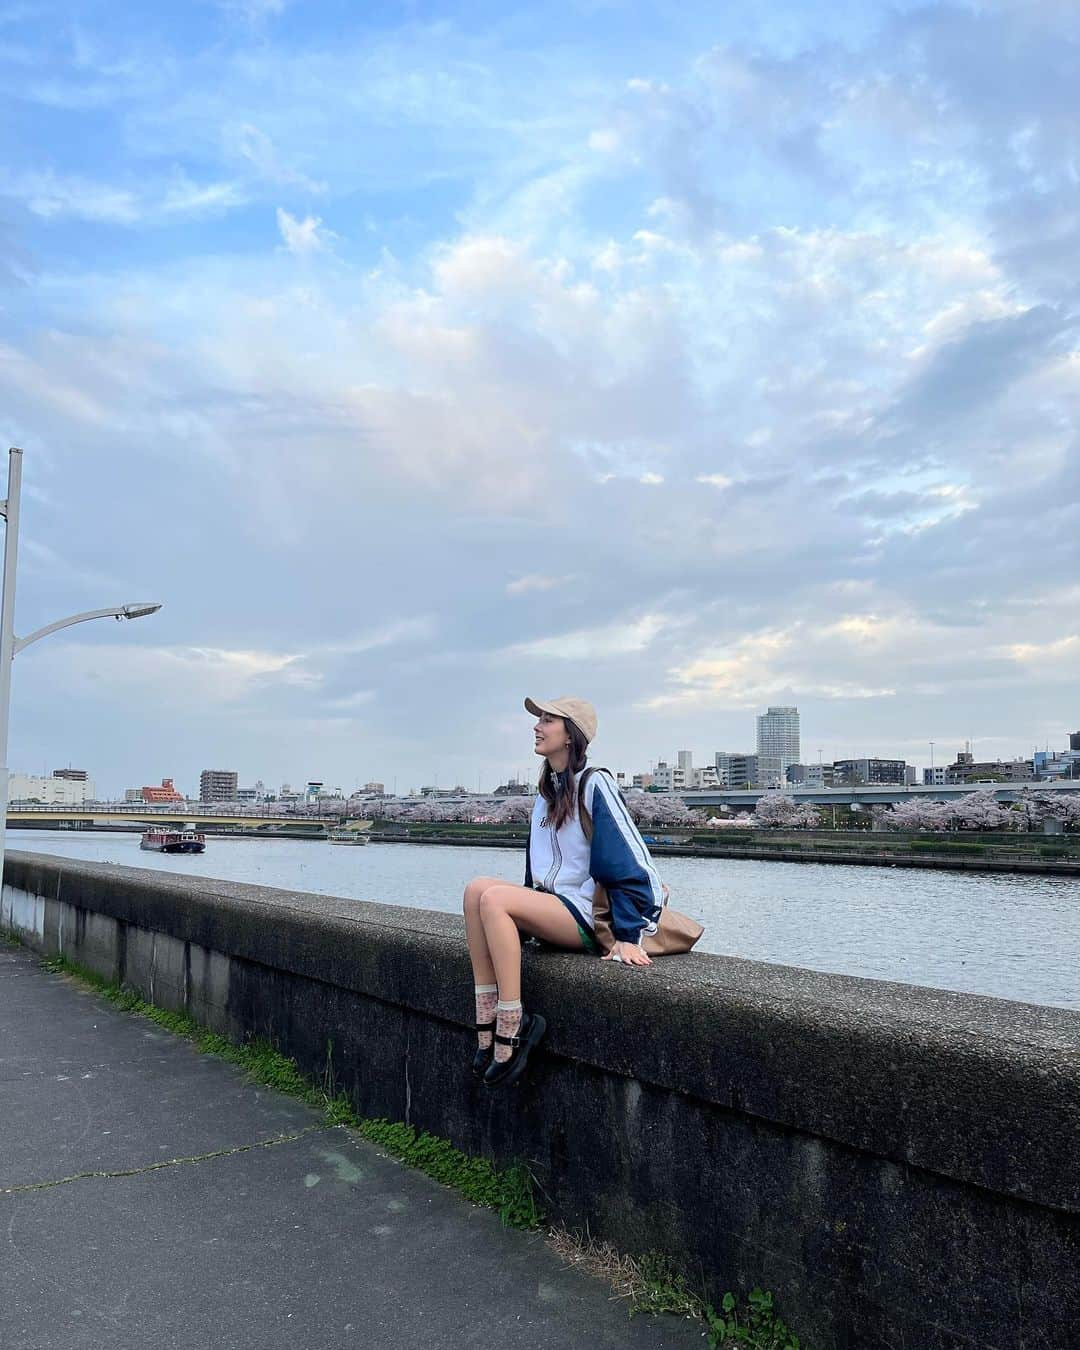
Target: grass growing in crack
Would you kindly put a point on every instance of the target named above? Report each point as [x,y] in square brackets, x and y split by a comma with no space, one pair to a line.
[651,1284]
[507,1190]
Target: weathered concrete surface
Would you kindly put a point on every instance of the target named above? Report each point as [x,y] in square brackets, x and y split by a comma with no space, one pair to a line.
[289,1234]
[897,1164]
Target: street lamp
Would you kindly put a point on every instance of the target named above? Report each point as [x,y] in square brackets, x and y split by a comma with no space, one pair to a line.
[10,645]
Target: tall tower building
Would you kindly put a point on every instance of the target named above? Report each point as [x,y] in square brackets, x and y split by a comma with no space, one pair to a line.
[777,744]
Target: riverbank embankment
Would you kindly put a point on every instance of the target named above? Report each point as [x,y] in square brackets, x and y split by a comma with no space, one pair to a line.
[1034,855]
[892,1161]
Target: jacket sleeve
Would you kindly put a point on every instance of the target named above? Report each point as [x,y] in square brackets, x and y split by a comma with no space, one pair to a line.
[620,862]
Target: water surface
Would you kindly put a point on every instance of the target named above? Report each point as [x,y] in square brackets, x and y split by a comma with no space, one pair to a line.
[1014,937]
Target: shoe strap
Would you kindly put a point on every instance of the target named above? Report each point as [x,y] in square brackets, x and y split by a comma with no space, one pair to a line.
[484,1026]
[507,1040]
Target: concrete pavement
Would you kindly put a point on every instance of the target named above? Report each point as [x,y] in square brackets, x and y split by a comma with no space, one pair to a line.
[151,1196]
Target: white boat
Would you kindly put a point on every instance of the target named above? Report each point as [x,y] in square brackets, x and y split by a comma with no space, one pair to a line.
[347,836]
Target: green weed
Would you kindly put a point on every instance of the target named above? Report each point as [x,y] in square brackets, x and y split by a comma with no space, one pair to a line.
[657,1287]
[757,1325]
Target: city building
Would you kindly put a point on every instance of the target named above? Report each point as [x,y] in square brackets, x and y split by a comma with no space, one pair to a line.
[72,775]
[935,777]
[1074,740]
[133,794]
[777,744]
[217,785]
[643,781]
[736,770]
[966,769]
[851,772]
[165,793]
[911,776]
[1049,764]
[54,791]
[810,775]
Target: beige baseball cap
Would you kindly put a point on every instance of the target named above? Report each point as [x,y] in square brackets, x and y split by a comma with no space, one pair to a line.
[576,710]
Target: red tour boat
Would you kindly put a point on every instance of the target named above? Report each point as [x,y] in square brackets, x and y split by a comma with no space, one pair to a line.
[173,841]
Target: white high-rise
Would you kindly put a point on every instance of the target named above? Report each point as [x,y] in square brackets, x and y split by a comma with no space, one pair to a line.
[777,743]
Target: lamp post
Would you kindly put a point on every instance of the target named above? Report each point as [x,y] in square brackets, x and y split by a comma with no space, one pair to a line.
[10,645]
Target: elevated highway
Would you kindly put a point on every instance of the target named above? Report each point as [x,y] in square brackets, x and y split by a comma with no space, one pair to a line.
[867,794]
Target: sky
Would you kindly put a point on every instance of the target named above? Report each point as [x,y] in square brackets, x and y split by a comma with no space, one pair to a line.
[689,358]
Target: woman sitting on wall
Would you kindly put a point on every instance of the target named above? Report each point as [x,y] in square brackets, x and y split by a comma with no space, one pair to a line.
[562,869]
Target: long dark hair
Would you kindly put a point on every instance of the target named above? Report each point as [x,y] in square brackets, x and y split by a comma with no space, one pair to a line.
[559,789]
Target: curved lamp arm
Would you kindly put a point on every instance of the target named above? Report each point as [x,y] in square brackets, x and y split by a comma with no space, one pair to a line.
[120,612]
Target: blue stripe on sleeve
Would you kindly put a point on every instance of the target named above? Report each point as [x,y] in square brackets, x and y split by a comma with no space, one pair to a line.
[620,862]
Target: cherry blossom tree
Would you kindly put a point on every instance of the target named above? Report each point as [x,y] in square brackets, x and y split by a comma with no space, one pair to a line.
[919,816]
[1030,808]
[980,811]
[512,811]
[1063,806]
[774,810]
[659,809]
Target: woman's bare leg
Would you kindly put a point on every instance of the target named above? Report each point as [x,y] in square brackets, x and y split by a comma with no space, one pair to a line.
[483,969]
[504,909]
[486,989]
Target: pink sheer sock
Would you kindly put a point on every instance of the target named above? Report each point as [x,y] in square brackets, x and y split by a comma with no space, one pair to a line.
[507,1023]
[487,996]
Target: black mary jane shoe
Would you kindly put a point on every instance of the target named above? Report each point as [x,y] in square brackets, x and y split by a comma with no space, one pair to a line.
[529,1036]
[482,1058]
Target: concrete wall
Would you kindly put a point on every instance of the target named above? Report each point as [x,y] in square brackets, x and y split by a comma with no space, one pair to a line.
[900,1166]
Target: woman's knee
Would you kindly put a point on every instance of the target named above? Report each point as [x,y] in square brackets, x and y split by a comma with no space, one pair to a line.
[473,891]
[492,900]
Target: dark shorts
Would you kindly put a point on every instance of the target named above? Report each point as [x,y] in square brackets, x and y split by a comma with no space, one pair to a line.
[588,937]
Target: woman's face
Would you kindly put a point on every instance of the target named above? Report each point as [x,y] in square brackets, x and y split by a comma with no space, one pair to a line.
[551,735]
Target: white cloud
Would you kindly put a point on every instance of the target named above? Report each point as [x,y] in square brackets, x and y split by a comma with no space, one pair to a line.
[536,581]
[604,140]
[304,237]
[858,305]
[58,197]
[593,644]
[416,629]
[184,676]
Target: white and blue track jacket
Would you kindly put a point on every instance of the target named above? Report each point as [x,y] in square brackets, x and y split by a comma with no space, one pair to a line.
[565,863]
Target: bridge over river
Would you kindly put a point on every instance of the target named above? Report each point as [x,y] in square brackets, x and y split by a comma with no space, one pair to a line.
[187,815]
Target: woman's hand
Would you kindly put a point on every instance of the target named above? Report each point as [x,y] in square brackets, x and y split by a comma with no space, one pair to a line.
[630,954]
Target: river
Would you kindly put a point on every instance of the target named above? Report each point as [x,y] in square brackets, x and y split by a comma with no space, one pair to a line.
[1015,937]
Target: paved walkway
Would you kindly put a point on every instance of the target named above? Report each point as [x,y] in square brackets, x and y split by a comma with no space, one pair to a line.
[150,1196]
